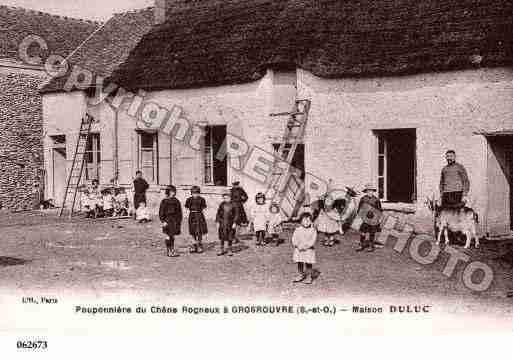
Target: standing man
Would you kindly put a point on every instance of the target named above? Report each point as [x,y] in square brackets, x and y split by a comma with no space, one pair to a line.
[238,197]
[454,183]
[140,188]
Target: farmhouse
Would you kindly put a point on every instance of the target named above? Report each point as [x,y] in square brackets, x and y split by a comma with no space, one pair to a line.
[392,84]
[21,125]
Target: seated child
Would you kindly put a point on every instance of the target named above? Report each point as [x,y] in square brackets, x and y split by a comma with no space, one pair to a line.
[303,241]
[260,215]
[108,203]
[142,214]
[274,228]
[85,202]
[95,202]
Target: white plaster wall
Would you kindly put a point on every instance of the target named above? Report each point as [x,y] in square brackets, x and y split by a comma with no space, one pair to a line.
[445,108]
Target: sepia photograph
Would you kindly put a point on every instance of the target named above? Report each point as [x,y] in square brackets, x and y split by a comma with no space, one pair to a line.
[258,169]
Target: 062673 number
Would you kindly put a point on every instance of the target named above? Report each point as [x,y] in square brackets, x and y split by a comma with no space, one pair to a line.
[32,344]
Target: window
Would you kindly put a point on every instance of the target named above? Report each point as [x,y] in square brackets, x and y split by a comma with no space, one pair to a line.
[216,171]
[59,144]
[93,157]
[148,156]
[396,165]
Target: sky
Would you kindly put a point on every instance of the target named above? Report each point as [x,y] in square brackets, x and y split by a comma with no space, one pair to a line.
[84,9]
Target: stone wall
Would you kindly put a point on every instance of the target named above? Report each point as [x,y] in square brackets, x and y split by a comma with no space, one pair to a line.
[21,130]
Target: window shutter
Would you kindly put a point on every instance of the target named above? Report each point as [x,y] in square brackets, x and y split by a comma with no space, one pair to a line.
[164,159]
[187,164]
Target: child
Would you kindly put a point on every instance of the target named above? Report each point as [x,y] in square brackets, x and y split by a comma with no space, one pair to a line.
[326,223]
[86,203]
[170,214]
[303,240]
[121,202]
[274,225]
[197,223]
[142,215]
[369,210]
[225,219]
[108,203]
[95,201]
[260,215]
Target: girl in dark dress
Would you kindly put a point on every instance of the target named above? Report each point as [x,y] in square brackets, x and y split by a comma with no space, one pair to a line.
[197,223]
[170,214]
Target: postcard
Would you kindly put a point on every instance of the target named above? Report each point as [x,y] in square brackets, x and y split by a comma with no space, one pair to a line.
[216,173]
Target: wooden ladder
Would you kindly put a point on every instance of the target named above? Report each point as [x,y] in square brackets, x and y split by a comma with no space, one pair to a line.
[77,167]
[285,181]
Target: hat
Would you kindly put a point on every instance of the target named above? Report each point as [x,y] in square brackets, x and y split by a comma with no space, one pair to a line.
[236,183]
[195,189]
[351,191]
[369,187]
[274,205]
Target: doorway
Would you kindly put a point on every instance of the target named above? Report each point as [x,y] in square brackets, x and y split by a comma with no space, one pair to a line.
[58,174]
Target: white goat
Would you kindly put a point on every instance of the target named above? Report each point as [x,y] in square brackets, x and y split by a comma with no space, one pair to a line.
[456,220]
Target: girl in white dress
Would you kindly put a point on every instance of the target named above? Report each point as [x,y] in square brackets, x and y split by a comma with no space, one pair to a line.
[260,216]
[303,241]
[326,223]
[276,219]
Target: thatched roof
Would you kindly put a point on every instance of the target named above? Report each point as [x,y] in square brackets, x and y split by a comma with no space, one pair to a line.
[62,34]
[109,46]
[213,42]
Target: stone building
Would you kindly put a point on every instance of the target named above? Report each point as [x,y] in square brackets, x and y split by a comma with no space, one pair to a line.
[392,86]
[21,126]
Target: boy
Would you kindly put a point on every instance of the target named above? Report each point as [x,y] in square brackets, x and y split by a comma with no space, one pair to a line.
[197,222]
[370,212]
[303,240]
[170,214]
[225,219]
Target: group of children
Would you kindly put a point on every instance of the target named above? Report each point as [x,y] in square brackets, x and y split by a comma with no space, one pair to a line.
[267,222]
[305,236]
[109,202]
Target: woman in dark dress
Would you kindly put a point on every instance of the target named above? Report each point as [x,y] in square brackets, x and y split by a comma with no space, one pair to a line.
[140,188]
[197,223]
[170,214]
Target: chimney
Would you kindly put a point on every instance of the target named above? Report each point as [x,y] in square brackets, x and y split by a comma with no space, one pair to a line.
[160,11]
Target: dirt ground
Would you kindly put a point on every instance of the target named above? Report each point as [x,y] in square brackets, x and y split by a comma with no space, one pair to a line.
[43,252]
